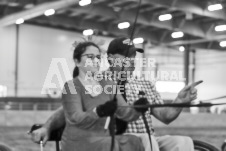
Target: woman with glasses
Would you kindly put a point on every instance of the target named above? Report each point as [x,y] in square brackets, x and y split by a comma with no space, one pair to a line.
[86,111]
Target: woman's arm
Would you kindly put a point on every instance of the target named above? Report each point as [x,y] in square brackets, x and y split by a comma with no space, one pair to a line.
[72,104]
[126,113]
[55,121]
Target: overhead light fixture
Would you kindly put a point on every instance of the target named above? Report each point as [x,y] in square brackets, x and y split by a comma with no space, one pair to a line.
[28,6]
[177,34]
[215,7]
[49,12]
[87,32]
[165,17]
[223,43]
[220,28]
[20,21]
[188,16]
[116,9]
[84,2]
[181,48]
[123,25]
[138,40]
[13,4]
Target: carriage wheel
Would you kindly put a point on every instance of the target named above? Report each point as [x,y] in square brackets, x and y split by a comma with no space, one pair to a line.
[202,146]
[4,148]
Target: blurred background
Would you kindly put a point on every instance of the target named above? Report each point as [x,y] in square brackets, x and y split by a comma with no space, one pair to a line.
[186,40]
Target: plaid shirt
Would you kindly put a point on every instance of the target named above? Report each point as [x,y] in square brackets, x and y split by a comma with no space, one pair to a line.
[132,88]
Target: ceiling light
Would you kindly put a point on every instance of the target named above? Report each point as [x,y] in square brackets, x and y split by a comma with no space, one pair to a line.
[87,32]
[13,4]
[181,48]
[215,7]
[20,21]
[220,28]
[177,34]
[123,25]
[223,43]
[28,6]
[138,40]
[117,9]
[84,2]
[165,17]
[49,12]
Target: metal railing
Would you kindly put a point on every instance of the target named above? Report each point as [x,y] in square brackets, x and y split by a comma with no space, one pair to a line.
[15,103]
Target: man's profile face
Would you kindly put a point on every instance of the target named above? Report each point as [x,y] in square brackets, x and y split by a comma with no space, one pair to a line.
[117,61]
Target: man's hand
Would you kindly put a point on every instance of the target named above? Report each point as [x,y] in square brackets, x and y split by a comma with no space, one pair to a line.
[189,92]
[40,134]
[141,101]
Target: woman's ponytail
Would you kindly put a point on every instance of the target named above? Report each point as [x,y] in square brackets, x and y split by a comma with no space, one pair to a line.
[75,72]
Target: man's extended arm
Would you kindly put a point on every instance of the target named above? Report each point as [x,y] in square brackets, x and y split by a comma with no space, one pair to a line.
[169,114]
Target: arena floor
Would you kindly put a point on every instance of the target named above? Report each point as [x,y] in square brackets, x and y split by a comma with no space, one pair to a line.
[207,127]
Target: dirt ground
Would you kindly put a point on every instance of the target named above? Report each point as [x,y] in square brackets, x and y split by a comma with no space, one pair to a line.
[17,139]
[203,126]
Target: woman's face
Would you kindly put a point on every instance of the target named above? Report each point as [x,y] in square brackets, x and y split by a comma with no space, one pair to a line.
[90,60]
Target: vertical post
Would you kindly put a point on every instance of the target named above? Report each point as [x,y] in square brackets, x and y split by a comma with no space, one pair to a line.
[35,108]
[20,106]
[193,110]
[49,106]
[16,60]
[143,56]
[193,65]
[186,64]
[156,70]
[5,115]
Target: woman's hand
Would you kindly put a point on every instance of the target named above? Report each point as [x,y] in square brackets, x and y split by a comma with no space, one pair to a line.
[40,134]
[106,109]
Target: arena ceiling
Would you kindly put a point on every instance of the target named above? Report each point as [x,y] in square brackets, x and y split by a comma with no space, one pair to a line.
[188,16]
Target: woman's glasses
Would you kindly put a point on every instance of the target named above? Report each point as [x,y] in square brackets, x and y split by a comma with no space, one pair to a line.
[92,56]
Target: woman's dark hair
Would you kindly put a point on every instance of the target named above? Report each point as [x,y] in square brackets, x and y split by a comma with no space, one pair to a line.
[78,51]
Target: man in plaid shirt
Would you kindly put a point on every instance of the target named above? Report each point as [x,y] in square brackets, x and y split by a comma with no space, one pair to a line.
[118,49]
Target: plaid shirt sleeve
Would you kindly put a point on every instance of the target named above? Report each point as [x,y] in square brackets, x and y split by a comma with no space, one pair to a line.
[156,96]
[132,90]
